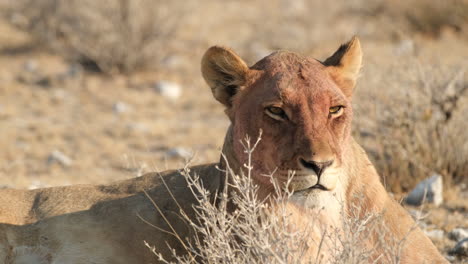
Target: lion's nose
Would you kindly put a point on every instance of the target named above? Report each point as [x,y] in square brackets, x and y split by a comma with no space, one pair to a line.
[318,167]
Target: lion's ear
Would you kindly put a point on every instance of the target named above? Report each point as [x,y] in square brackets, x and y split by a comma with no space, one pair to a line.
[344,65]
[225,73]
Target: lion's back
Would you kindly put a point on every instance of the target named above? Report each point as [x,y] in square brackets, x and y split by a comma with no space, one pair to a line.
[19,207]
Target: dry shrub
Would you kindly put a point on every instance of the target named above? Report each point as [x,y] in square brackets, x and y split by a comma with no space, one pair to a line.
[294,25]
[305,25]
[431,17]
[114,36]
[412,120]
[238,228]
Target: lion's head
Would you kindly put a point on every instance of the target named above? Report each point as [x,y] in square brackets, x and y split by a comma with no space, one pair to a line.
[303,107]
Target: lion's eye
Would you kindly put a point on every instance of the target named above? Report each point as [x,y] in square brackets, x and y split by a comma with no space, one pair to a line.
[335,109]
[275,112]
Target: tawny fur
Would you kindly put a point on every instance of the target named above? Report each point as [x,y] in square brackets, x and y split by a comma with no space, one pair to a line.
[109,223]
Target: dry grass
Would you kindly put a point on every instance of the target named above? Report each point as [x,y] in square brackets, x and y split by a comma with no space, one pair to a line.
[114,36]
[239,228]
[418,123]
[128,35]
[430,17]
[409,17]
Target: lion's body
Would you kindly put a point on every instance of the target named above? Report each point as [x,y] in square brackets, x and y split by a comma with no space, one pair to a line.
[303,107]
[97,224]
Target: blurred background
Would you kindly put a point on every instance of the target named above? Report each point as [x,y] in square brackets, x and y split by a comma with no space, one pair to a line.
[98,91]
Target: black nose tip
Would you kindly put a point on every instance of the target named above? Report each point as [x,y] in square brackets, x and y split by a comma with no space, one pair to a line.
[318,167]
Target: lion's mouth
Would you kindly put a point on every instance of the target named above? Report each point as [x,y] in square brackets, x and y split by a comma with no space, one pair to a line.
[318,186]
[315,188]
[303,182]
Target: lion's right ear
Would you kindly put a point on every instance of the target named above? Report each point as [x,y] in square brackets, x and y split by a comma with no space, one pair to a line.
[344,65]
[225,72]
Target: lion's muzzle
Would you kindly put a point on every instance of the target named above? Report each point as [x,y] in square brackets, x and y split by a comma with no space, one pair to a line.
[317,167]
[314,176]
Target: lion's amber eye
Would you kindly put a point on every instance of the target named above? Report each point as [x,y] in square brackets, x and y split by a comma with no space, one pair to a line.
[335,109]
[276,112]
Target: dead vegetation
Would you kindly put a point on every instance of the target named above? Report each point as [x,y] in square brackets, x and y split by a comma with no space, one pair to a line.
[128,35]
[111,36]
[417,124]
[430,17]
[239,228]
[408,17]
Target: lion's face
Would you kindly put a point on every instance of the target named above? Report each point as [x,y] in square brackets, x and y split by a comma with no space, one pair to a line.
[304,116]
[302,107]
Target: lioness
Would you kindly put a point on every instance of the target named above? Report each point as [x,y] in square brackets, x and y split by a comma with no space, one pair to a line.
[303,107]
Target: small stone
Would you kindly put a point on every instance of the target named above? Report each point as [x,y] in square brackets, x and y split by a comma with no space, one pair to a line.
[58,95]
[36,184]
[404,47]
[172,61]
[74,70]
[429,190]
[451,259]
[460,249]
[179,153]
[30,66]
[139,127]
[120,107]
[364,133]
[59,157]
[458,234]
[167,89]
[19,20]
[435,234]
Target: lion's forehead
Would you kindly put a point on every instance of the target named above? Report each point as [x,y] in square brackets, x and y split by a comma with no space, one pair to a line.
[291,76]
[291,65]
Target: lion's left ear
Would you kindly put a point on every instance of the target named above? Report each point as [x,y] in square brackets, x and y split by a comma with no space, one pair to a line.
[344,65]
[225,72]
